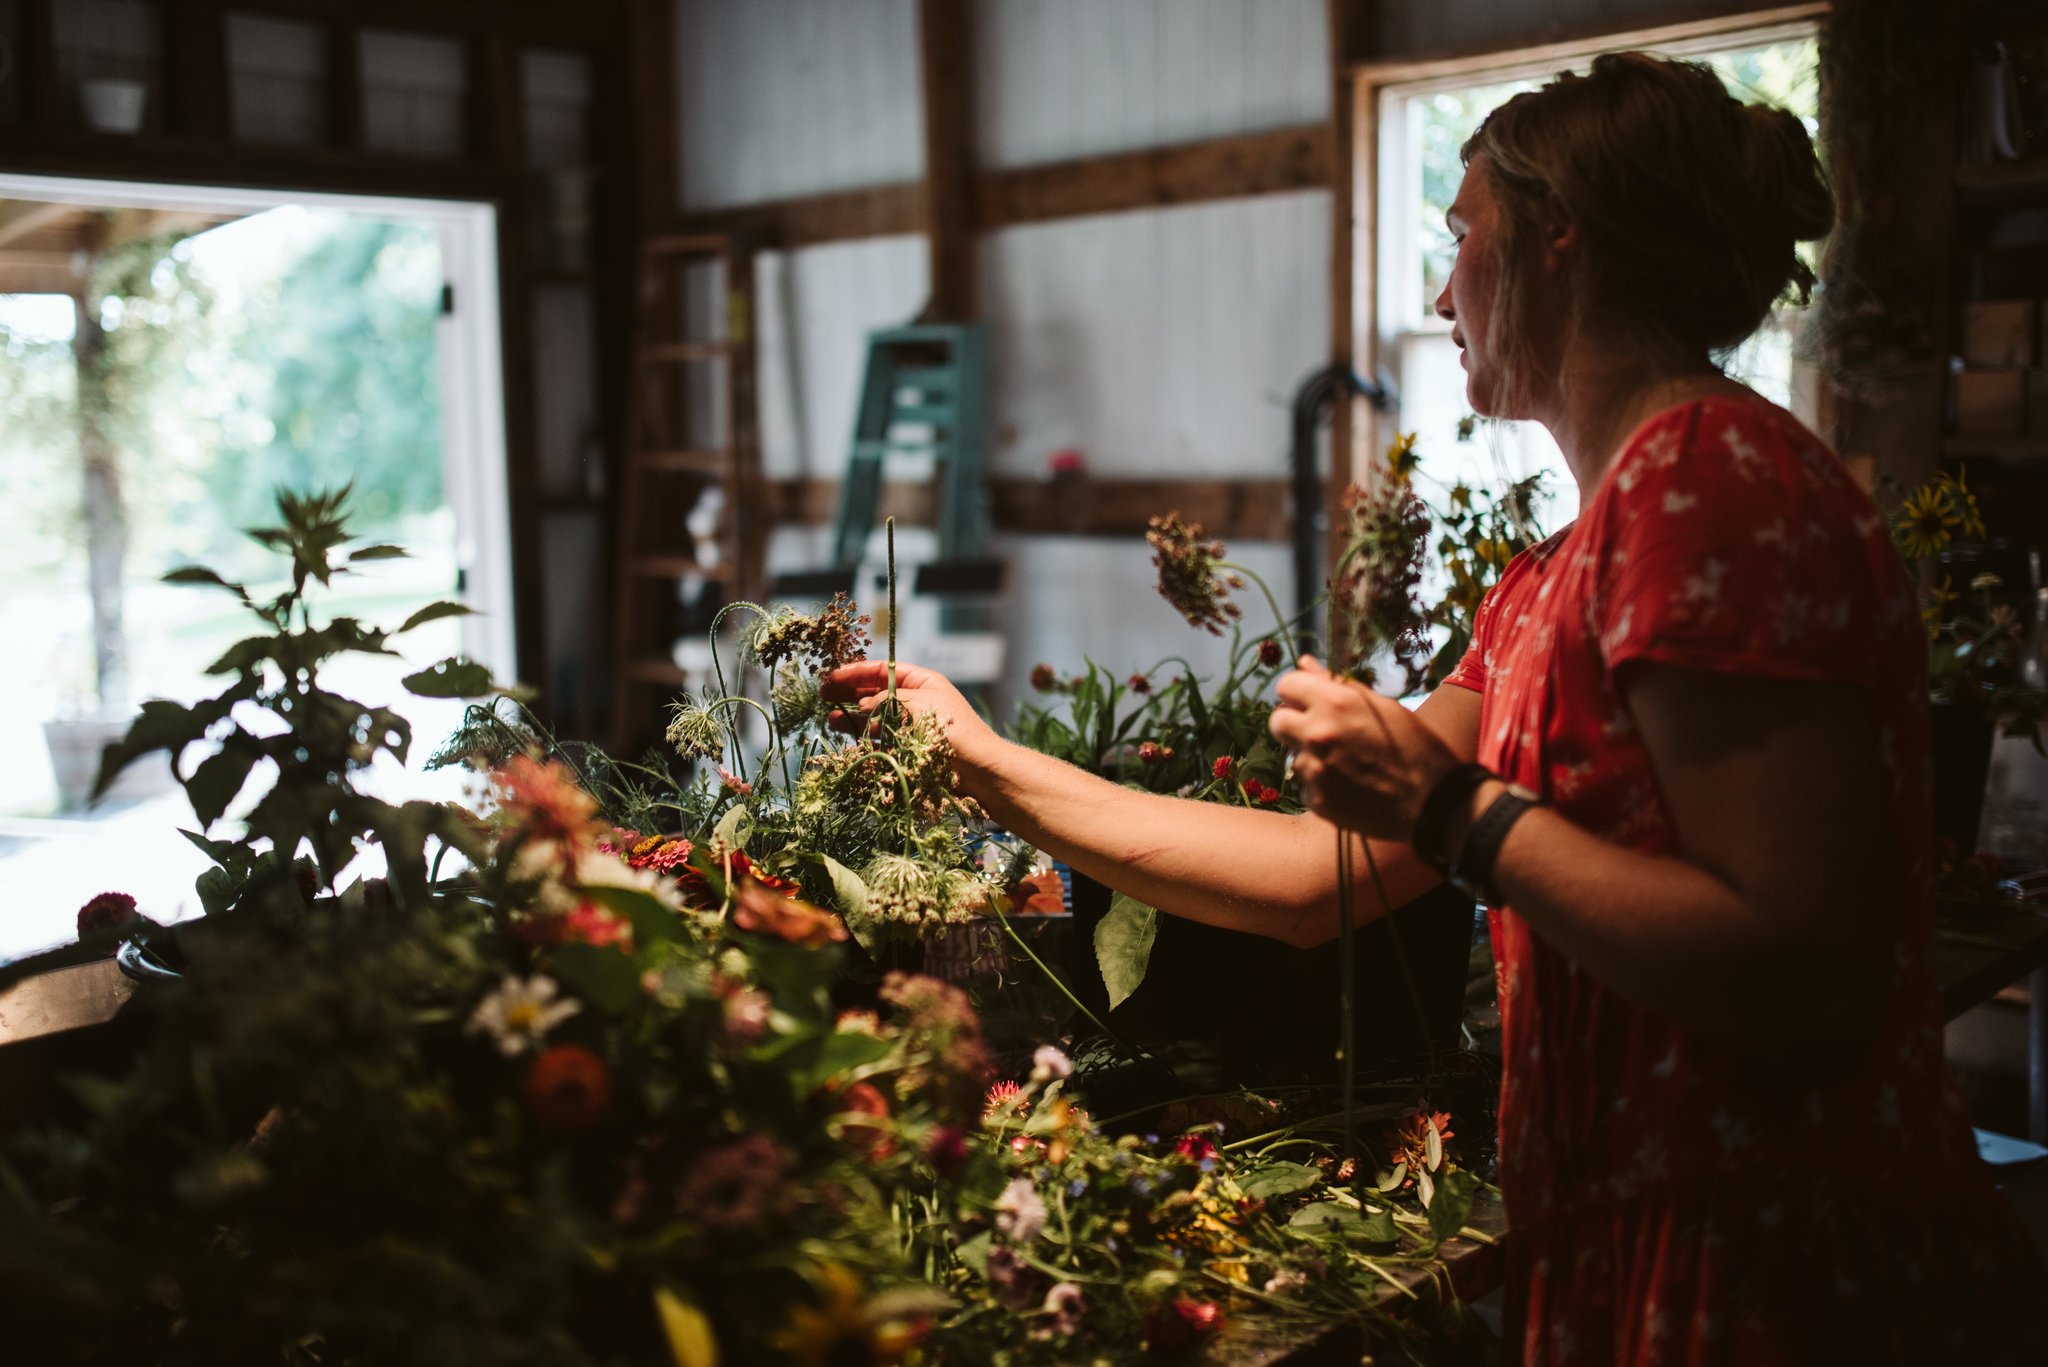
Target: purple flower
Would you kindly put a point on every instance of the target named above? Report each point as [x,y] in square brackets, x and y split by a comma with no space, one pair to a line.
[1012,1279]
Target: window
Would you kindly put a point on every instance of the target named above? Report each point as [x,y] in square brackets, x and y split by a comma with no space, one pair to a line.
[1422,123]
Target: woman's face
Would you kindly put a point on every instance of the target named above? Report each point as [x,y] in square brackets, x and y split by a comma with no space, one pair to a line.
[1468,297]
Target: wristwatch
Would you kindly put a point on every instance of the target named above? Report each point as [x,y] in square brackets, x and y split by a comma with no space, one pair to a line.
[1472,873]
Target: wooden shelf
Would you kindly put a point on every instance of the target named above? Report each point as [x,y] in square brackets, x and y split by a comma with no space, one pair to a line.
[2022,447]
[2000,182]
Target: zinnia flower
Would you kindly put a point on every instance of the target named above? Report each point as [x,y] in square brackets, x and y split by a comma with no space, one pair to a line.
[521,1012]
[1271,652]
[730,1185]
[568,1088]
[1150,752]
[1224,764]
[1177,1326]
[106,911]
[745,1009]
[1064,1306]
[1049,1063]
[758,909]
[544,802]
[1044,679]
[1140,684]
[873,1139]
[1412,1142]
[1000,1094]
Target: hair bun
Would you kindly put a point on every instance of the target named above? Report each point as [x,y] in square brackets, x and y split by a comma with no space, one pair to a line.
[1787,173]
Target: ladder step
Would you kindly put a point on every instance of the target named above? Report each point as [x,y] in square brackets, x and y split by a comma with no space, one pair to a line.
[928,378]
[686,351]
[657,672]
[664,566]
[937,414]
[685,244]
[699,462]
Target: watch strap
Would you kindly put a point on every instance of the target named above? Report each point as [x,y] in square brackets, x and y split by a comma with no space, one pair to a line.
[1472,874]
[1443,799]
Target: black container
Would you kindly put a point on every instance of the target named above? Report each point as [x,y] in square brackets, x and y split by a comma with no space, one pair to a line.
[1962,764]
[1268,1013]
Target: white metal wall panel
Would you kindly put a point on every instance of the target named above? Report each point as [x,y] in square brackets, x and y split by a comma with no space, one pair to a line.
[780,98]
[1059,79]
[817,306]
[1159,343]
[1413,26]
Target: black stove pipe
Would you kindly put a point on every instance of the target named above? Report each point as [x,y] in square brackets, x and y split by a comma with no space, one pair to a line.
[1314,396]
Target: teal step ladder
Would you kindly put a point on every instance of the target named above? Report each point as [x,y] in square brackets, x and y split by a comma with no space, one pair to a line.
[924,393]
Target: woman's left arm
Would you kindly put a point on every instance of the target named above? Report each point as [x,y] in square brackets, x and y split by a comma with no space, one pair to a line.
[1774,929]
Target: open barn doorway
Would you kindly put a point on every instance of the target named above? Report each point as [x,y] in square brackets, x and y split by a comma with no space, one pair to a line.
[169,356]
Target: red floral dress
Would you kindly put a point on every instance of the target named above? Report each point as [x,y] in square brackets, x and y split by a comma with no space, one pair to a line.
[1669,1205]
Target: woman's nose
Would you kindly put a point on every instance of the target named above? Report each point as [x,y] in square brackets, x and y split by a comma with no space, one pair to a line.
[1443,305]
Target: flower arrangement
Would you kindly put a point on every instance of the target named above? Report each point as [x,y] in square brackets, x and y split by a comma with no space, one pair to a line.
[1973,641]
[593,1095]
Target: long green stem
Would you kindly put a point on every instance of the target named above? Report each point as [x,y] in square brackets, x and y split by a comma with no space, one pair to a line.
[1057,981]
[892,616]
[1347,991]
[1279,617]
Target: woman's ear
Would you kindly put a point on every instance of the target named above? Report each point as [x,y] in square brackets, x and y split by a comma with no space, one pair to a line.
[1560,247]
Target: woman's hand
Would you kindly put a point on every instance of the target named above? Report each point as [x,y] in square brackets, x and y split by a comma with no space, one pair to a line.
[1365,763]
[866,685]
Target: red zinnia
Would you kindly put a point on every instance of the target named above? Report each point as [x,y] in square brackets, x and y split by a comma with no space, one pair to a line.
[1195,1146]
[1177,1326]
[1271,652]
[872,1139]
[1140,684]
[1224,764]
[568,1088]
[106,911]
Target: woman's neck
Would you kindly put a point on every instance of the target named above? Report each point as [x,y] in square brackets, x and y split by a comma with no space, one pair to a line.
[1604,393]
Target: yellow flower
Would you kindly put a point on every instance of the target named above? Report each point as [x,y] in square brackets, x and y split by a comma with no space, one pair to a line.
[1401,457]
[845,1329]
[1926,523]
[1963,503]
[1935,609]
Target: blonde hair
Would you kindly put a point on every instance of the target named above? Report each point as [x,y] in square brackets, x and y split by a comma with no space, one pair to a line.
[1688,205]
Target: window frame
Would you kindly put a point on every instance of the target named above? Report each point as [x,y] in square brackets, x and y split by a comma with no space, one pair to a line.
[1385,302]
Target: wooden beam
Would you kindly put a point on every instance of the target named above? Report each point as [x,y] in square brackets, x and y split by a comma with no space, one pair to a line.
[1674,26]
[1217,168]
[653,111]
[946,74]
[32,271]
[1282,159]
[1236,510]
[20,217]
[881,211]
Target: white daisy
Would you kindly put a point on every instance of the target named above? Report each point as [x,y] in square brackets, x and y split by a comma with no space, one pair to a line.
[520,1013]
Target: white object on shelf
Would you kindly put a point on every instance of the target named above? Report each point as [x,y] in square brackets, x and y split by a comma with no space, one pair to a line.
[112,105]
[966,658]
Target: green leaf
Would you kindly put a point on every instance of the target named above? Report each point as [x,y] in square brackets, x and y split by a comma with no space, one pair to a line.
[1378,1228]
[1453,1204]
[1327,1217]
[974,1253]
[839,1053]
[851,892]
[735,826]
[434,612]
[600,974]
[451,678]
[199,574]
[380,552]
[215,782]
[222,852]
[244,655]
[1123,946]
[651,920]
[1275,1180]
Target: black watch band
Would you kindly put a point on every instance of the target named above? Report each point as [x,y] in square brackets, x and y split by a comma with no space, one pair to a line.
[1473,872]
[1443,799]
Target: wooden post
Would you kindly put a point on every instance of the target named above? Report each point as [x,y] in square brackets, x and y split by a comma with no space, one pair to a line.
[196,76]
[946,67]
[35,66]
[345,86]
[1353,32]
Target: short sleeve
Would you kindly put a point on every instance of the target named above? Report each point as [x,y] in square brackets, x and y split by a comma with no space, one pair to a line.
[1732,540]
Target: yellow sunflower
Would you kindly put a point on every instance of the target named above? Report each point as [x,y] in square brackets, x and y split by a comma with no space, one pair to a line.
[1925,524]
[844,1329]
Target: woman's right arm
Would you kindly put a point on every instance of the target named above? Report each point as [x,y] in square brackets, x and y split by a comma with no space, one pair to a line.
[1235,867]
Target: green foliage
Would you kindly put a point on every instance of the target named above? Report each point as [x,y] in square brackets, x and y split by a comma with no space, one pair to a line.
[321,740]
[1123,945]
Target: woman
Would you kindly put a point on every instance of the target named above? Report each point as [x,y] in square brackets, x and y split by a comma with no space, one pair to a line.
[1727,1133]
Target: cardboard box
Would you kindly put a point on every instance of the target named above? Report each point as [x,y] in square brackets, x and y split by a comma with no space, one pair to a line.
[1999,334]
[1991,403]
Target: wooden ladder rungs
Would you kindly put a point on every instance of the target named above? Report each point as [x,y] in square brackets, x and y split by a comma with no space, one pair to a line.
[657,672]
[685,244]
[663,566]
[686,351]
[698,462]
